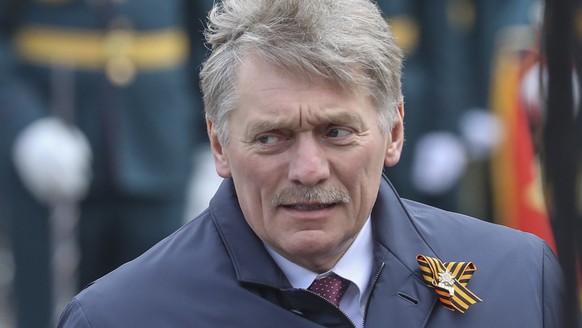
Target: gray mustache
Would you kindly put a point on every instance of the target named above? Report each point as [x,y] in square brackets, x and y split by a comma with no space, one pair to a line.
[305,194]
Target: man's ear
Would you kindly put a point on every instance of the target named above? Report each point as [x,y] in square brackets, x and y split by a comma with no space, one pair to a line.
[396,141]
[218,154]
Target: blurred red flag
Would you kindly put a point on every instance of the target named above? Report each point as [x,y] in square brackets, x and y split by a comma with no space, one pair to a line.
[518,196]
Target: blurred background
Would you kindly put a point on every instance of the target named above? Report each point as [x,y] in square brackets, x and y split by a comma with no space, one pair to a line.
[99,100]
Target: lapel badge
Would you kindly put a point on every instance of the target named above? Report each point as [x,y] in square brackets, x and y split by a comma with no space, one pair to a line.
[449,280]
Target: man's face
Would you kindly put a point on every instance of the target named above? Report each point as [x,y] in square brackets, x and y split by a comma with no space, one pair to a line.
[306,160]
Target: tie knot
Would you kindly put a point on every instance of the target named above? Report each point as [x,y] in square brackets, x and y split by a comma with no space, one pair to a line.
[331,287]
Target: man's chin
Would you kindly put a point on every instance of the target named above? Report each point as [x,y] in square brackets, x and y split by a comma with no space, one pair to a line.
[313,249]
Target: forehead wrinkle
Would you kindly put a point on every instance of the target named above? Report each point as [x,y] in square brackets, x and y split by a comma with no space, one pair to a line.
[265,124]
[340,116]
[261,126]
[306,117]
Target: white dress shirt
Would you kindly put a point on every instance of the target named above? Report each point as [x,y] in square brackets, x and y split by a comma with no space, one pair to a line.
[355,265]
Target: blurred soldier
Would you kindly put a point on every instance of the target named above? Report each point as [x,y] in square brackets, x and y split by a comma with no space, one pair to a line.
[98,108]
[449,45]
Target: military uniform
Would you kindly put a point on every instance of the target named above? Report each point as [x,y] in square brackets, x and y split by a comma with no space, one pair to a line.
[127,69]
[449,46]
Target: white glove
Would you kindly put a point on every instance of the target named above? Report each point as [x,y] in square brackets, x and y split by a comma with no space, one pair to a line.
[482,132]
[53,160]
[439,161]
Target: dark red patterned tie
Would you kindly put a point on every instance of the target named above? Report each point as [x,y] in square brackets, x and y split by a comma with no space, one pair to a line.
[332,288]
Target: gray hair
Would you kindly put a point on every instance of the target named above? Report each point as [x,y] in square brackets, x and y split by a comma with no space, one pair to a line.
[344,42]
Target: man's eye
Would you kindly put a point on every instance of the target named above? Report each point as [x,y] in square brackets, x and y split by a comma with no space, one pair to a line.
[268,139]
[338,132]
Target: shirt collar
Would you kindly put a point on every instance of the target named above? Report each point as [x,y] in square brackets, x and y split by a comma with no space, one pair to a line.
[355,265]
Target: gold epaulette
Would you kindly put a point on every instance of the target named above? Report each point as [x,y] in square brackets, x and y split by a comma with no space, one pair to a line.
[119,51]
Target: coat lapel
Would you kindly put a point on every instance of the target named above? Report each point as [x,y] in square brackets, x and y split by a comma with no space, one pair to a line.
[400,297]
[252,263]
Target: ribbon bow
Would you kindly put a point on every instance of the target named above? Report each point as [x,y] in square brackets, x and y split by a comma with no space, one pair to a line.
[449,281]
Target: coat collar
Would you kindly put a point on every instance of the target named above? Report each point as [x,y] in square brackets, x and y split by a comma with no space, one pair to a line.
[399,290]
[251,261]
[395,231]
[400,295]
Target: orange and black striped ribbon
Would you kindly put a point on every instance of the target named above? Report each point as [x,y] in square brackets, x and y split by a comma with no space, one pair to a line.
[449,280]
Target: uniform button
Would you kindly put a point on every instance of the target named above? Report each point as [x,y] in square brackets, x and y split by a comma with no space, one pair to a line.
[120,71]
[119,67]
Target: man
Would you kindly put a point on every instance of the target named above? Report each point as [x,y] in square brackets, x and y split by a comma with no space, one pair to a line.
[304,110]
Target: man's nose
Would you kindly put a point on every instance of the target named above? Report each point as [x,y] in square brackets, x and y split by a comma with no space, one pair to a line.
[309,163]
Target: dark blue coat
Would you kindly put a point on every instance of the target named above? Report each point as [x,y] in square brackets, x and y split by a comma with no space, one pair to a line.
[215,272]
